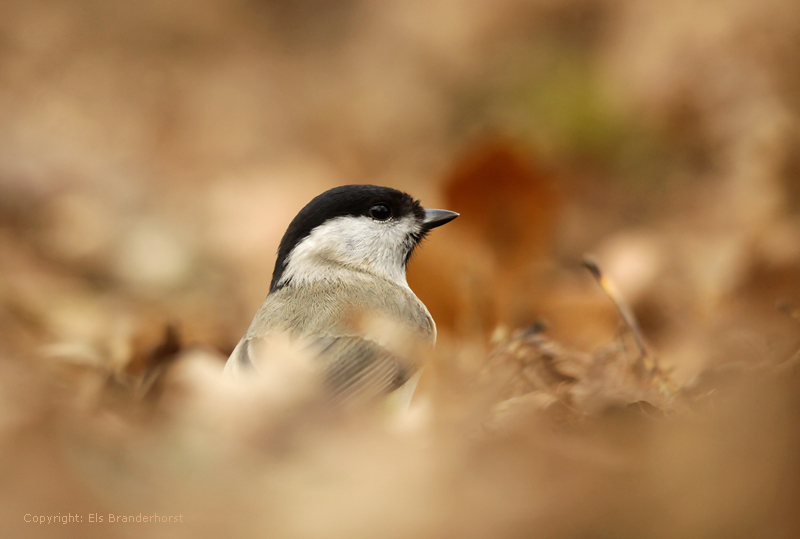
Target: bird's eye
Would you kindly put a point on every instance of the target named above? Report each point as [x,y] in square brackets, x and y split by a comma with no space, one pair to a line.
[380,212]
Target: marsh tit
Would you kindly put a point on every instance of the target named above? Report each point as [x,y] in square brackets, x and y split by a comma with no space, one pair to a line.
[341,263]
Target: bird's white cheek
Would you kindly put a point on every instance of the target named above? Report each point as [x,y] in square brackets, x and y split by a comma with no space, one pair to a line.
[358,242]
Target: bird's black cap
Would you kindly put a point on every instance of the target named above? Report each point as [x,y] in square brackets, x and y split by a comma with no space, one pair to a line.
[355,200]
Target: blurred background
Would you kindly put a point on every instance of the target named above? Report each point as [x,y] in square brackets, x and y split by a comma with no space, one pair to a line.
[152,154]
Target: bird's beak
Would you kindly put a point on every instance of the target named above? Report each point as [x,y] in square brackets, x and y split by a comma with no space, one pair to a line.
[434,218]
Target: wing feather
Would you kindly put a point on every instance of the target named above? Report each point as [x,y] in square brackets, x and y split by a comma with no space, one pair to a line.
[353,368]
[356,368]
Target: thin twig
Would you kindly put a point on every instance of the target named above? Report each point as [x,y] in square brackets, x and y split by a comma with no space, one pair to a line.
[625,311]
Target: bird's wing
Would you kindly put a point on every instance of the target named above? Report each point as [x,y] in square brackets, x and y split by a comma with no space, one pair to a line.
[356,369]
[239,359]
[353,368]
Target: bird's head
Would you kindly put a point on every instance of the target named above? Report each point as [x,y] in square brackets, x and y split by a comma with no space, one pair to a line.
[356,228]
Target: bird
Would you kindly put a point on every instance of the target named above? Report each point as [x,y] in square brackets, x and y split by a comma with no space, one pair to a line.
[340,265]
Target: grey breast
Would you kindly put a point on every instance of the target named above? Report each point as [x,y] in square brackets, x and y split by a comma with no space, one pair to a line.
[326,307]
[352,365]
